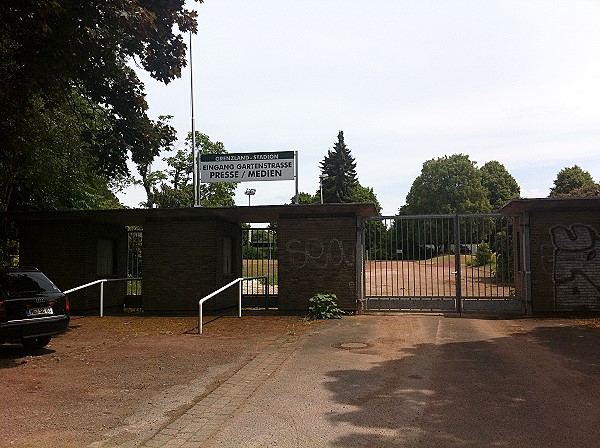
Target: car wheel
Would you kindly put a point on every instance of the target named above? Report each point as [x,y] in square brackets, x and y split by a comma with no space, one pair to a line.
[36,343]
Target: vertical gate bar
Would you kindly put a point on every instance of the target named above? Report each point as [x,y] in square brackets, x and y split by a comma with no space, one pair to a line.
[507,229]
[390,256]
[273,253]
[425,258]
[365,261]
[412,255]
[467,271]
[417,265]
[458,305]
[496,249]
[366,246]
[374,256]
[372,278]
[376,264]
[410,266]
[482,276]
[470,272]
[372,241]
[436,244]
[478,240]
[401,247]
[423,248]
[434,237]
[377,255]
[499,234]
[389,251]
[491,232]
[388,293]
[372,265]
[448,261]
[393,253]
[431,253]
[442,250]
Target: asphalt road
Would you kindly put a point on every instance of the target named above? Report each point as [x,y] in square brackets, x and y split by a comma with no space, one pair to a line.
[429,381]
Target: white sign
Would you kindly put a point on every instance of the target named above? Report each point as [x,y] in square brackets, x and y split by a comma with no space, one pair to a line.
[248,167]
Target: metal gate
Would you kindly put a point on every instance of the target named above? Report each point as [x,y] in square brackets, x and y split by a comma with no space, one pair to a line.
[134,268]
[440,263]
[259,259]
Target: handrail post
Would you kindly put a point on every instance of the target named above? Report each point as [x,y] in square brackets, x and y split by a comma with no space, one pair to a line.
[240,297]
[102,299]
[205,298]
[200,318]
[101,281]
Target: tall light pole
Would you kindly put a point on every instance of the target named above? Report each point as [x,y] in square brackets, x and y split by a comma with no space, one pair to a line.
[250,192]
[321,177]
[194,152]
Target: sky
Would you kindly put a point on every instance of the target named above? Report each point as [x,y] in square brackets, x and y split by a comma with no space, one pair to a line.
[406,81]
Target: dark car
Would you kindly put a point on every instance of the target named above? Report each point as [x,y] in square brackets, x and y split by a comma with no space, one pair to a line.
[32,308]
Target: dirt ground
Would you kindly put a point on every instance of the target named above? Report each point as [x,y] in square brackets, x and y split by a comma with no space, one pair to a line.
[120,379]
[123,377]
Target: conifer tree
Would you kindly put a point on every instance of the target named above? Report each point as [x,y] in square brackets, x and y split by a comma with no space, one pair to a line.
[338,170]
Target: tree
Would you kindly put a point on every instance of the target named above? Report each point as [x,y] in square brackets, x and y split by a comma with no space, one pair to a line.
[569,179]
[173,188]
[501,186]
[339,168]
[78,54]
[306,198]
[447,185]
[587,191]
[58,171]
[365,194]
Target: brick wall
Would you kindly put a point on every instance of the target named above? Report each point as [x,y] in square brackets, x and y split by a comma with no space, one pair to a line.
[67,253]
[565,260]
[183,262]
[317,255]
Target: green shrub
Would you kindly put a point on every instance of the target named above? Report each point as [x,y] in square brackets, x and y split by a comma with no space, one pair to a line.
[484,254]
[504,258]
[324,306]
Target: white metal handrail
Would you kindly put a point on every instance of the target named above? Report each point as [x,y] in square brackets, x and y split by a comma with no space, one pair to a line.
[211,295]
[101,281]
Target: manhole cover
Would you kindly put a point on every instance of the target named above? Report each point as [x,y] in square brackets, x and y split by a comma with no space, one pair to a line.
[352,345]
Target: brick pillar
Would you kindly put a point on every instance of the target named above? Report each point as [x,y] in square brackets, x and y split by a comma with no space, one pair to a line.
[317,255]
[183,262]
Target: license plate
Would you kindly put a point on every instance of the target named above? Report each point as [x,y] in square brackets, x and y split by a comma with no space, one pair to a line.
[42,311]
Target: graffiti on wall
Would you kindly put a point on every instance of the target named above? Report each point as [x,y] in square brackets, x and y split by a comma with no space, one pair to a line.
[576,273]
[319,253]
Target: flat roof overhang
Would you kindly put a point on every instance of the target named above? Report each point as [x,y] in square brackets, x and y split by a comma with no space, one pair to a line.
[238,214]
[518,206]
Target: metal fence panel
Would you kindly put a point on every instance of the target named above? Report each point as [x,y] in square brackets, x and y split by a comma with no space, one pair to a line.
[439,263]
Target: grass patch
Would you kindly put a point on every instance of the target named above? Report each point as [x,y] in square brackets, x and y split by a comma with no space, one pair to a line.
[261,268]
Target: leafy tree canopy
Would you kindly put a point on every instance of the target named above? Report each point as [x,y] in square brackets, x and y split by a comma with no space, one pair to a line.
[77,54]
[570,179]
[587,191]
[365,194]
[501,186]
[447,185]
[174,187]
[57,172]
[306,198]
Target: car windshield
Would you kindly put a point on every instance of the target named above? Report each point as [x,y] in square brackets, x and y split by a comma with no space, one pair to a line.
[18,284]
